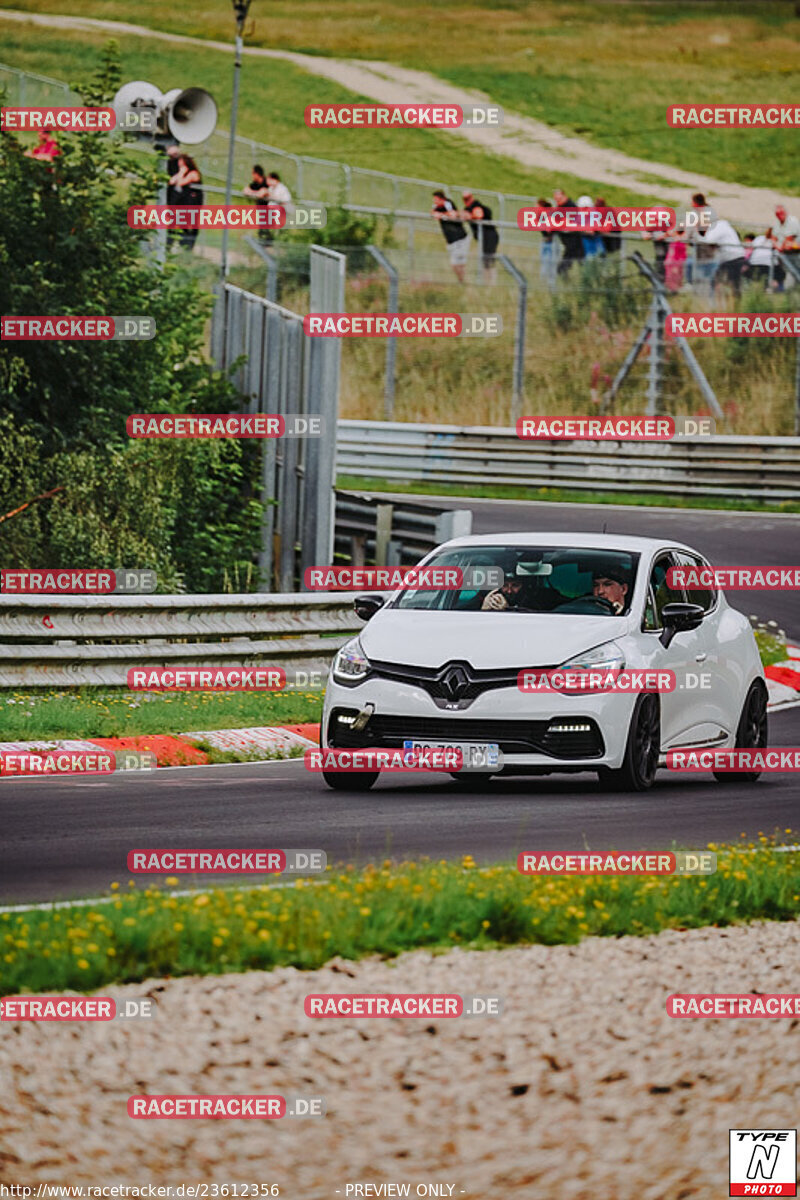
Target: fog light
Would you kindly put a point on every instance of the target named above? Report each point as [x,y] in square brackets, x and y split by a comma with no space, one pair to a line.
[569,729]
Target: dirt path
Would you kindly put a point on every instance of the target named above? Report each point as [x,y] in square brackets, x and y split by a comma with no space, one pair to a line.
[583,1087]
[530,143]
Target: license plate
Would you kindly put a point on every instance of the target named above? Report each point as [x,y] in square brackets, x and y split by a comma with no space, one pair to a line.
[474,755]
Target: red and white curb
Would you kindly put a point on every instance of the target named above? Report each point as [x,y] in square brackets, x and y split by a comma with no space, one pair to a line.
[783,680]
[260,742]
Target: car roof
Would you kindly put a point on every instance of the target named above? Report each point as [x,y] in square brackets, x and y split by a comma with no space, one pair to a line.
[585,541]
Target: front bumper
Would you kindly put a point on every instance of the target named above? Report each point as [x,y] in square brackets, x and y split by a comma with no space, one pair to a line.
[546,731]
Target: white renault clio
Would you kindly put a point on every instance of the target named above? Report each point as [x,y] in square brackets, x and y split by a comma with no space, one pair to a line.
[441,666]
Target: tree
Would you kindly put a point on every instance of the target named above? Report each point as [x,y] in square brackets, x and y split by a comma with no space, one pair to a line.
[187,510]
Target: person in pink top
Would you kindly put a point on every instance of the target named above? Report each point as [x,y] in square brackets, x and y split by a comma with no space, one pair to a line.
[47,148]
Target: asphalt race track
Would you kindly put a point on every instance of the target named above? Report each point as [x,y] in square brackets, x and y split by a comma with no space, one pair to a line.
[68,837]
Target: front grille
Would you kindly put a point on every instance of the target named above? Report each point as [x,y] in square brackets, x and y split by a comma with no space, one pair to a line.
[513,737]
[432,680]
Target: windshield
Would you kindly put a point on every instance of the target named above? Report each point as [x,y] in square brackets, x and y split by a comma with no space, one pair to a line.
[537,579]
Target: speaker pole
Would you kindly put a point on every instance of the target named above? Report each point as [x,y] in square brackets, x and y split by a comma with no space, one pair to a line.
[240,8]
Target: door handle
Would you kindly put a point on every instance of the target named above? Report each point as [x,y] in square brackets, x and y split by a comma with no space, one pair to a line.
[700,657]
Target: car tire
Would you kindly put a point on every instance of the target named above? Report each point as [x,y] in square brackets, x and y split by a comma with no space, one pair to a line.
[642,749]
[751,732]
[350,781]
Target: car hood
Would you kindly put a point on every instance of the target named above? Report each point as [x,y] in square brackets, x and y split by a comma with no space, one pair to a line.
[484,639]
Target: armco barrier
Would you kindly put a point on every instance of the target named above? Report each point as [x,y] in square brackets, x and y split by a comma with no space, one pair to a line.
[92,640]
[765,468]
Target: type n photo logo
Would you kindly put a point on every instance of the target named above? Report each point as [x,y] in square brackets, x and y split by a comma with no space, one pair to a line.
[762,1162]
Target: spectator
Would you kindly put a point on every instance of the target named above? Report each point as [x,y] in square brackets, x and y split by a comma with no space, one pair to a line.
[258,190]
[547,253]
[479,216]
[454,233]
[758,252]
[611,238]
[173,154]
[186,182]
[676,257]
[730,254]
[572,242]
[47,148]
[279,194]
[592,242]
[786,232]
[700,266]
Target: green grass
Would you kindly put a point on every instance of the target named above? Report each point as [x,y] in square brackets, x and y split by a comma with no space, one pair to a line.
[272,101]
[604,71]
[149,932]
[30,714]
[771,643]
[561,495]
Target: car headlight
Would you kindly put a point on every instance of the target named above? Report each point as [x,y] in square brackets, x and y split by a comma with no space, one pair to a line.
[351,665]
[608,657]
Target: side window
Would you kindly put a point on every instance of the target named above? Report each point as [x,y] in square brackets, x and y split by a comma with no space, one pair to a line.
[660,593]
[705,597]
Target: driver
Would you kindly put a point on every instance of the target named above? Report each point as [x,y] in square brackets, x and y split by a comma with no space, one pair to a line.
[507,596]
[611,586]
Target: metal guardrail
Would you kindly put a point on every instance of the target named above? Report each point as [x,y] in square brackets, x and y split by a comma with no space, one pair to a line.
[371,530]
[69,641]
[766,468]
[65,641]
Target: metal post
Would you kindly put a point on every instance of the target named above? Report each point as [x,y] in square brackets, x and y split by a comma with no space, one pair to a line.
[655,372]
[383,533]
[391,343]
[240,9]
[518,386]
[797,392]
[271,264]
[411,245]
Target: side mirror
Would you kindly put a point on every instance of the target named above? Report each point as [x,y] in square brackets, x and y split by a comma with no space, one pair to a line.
[678,617]
[366,606]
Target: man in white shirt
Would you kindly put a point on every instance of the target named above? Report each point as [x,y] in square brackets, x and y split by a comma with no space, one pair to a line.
[279,194]
[785,231]
[730,254]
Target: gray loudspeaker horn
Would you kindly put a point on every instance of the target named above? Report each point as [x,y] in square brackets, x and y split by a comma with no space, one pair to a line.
[191,114]
[139,94]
